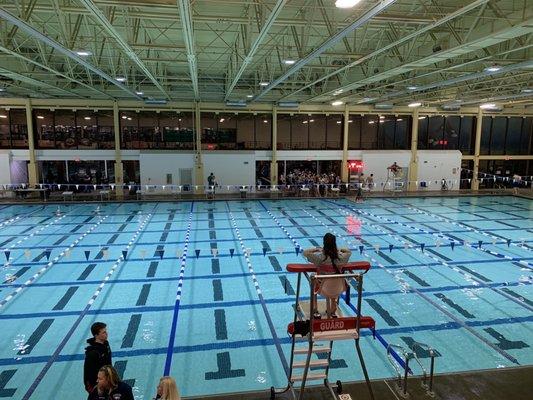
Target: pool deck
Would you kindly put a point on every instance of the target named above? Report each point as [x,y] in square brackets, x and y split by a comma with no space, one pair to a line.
[496,384]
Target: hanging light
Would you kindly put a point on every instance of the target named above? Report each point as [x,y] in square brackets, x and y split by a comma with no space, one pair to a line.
[346,3]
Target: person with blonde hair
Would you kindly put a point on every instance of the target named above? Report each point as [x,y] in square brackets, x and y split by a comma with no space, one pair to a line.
[167,389]
[109,386]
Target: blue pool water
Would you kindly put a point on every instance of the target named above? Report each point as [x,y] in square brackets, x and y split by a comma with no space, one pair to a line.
[181,302]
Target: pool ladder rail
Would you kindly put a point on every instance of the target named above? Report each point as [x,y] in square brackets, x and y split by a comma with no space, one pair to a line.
[403,371]
[316,331]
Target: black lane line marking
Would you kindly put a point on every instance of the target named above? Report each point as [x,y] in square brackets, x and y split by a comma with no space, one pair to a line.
[213,245]
[60,240]
[265,245]
[44,220]
[387,258]
[419,351]
[75,228]
[275,264]
[253,223]
[120,367]
[122,227]
[218,294]
[518,296]
[163,237]
[224,368]
[130,217]
[302,231]
[287,287]
[143,295]
[215,266]
[5,376]
[131,331]
[88,219]
[38,258]
[258,233]
[211,224]
[100,255]
[382,312]
[152,269]
[66,297]
[438,254]
[36,336]
[503,342]
[417,279]
[27,230]
[113,238]
[17,275]
[86,272]
[168,226]
[212,235]
[453,305]
[221,329]
[158,250]
[334,363]
[314,242]
[474,273]
[6,242]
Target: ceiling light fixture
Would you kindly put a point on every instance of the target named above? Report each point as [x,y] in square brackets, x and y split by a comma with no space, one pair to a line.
[120,79]
[87,118]
[346,3]
[399,119]
[3,116]
[222,120]
[265,121]
[415,104]
[412,87]
[494,68]
[337,103]
[289,62]
[421,118]
[523,90]
[487,106]
[263,83]
[83,53]
[124,117]
[40,117]
[249,96]
[139,93]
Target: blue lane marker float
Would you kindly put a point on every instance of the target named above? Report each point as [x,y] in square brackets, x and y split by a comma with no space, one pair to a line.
[477,246]
[444,263]
[69,334]
[50,263]
[277,342]
[430,301]
[468,228]
[170,347]
[380,338]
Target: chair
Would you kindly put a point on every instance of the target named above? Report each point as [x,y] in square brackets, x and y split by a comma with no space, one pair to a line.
[68,193]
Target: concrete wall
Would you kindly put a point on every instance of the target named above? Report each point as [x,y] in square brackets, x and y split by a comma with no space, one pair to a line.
[376,162]
[230,168]
[435,165]
[5,167]
[154,167]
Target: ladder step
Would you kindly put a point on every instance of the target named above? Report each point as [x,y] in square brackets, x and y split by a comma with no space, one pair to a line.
[316,349]
[310,377]
[312,363]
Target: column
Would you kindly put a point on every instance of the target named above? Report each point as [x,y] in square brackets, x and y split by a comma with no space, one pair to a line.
[345,131]
[198,164]
[33,167]
[274,162]
[119,170]
[413,164]
[477,148]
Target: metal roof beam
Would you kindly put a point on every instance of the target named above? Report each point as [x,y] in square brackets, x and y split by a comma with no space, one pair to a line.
[327,44]
[188,36]
[34,82]
[262,34]
[383,49]
[104,22]
[60,48]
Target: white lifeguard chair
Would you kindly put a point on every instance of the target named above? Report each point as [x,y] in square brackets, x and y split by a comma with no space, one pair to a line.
[396,180]
[320,330]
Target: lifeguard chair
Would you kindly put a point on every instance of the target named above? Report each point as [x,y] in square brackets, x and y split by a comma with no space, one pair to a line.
[320,330]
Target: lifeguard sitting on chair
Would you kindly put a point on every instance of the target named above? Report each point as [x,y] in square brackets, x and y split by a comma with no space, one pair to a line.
[328,260]
[395,169]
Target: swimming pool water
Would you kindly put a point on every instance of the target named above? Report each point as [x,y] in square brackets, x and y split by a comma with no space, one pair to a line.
[179,294]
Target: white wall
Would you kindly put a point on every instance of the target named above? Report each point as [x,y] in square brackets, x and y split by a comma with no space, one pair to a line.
[5,170]
[377,161]
[435,165]
[230,168]
[19,171]
[155,167]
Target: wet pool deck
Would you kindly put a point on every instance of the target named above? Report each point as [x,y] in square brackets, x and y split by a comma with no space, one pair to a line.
[496,384]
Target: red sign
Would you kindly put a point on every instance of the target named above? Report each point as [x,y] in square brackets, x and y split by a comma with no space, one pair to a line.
[356,165]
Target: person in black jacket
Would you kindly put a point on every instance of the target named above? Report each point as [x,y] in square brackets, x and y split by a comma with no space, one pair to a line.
[110,387]
[97,354]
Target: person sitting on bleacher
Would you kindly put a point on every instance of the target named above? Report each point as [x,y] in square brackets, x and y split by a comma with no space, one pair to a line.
[328,259]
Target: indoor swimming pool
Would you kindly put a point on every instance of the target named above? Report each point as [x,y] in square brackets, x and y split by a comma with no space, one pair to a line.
[199,290]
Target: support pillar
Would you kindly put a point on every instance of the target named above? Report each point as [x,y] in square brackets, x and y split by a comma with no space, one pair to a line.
[413,164]
[119,169]
[345,131]
[198,164]
[33,167]
[274,162]
[477,149]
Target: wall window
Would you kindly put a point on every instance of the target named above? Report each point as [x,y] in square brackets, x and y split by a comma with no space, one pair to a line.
[129,130]
[354,131]
[284,126]
[466,142]
[369,132]
[497,138]
[386,126]
[525,138]
[486,128]
[13,129]
[334,131]
[300,131]
[245,131]
[44,123]
[317,132]
[402,134]
[514,132]
[423,123]
[452,130]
